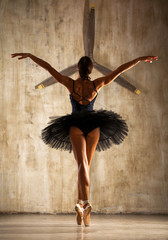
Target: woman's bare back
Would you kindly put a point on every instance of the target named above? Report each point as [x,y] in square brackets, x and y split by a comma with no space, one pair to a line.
[83,91]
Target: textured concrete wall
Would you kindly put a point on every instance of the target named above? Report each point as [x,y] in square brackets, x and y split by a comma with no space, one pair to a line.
[132,177]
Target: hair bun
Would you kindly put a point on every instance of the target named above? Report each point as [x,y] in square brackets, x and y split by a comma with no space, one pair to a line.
[85,66]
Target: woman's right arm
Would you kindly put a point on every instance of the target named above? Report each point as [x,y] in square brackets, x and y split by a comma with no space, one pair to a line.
[64,80]
[100,82]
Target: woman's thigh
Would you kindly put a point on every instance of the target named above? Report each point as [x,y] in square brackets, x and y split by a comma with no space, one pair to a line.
[92,139]
[78,142]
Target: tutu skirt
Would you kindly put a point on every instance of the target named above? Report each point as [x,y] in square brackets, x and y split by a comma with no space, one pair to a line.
[113,129]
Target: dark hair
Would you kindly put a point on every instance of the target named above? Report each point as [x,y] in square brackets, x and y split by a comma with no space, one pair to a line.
[85,66]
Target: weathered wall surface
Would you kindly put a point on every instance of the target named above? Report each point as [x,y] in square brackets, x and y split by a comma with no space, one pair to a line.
[132,177]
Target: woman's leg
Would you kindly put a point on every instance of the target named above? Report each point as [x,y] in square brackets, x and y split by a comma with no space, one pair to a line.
[84,149]
[78,141]
[92,139]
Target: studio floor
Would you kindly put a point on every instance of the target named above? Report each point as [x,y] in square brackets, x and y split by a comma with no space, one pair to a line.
[53,227]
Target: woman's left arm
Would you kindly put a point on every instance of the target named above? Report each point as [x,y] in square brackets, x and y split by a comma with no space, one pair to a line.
[103,81]
[132,63]
[66,81]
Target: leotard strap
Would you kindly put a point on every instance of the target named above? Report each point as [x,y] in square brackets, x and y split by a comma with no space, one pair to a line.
[84,98]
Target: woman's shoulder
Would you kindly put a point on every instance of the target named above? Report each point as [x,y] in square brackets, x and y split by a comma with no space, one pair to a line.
[83,86]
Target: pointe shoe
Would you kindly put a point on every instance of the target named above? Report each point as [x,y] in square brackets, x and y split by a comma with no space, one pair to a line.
[86,214]
[79,214]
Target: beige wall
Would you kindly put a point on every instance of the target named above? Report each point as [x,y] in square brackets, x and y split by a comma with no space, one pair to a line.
[132,177]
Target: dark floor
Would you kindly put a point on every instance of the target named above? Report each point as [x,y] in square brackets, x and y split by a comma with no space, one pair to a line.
[53,227]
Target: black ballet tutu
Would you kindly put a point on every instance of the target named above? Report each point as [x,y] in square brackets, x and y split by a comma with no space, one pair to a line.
[113,129]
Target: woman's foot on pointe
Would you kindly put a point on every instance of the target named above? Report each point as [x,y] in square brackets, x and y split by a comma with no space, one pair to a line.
[86,213]
[79,212]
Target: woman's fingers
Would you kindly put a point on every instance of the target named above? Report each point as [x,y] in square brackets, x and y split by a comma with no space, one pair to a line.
[21,55]
[16,54]
[13,55]
[150,58]
[153,57]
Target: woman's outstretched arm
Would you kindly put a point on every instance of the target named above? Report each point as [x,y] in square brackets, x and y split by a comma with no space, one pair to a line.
[100,82]
[66,81]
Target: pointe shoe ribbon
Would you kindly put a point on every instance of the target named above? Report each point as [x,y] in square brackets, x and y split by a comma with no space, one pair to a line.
[79,208]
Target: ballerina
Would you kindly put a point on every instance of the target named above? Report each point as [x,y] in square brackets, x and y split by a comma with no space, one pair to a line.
[85,130]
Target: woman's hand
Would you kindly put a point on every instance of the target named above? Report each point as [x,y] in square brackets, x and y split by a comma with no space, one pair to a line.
[20,55]
[148,58]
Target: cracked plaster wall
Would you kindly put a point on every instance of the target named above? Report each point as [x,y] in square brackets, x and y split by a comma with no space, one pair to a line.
[132,177]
